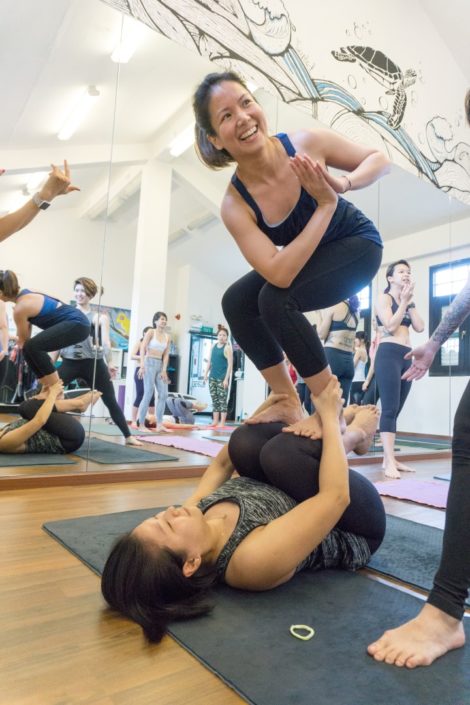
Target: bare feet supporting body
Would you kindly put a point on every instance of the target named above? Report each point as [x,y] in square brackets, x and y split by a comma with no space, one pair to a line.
[390,465]
[420,641]
[287,410]
[132,441]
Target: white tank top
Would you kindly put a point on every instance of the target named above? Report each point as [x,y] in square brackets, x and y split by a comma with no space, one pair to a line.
[360,372]
[156,345]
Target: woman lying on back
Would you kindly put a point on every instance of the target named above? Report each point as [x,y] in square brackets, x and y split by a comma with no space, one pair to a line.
[248,532]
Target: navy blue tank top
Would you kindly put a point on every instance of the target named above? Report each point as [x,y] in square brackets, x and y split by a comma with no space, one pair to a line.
[405,321]
[347,220]
[54,311]
[343,324]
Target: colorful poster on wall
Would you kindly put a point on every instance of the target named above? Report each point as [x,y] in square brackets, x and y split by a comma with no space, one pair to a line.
[119,324]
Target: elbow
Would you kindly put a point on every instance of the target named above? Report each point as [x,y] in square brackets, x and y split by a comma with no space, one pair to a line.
[385,163]
[282,281]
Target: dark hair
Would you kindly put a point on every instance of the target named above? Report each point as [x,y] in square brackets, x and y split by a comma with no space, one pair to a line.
[390,270]
[467,106]
[207,153]
[354,303]
[147,585]
[90,286]
[9,285]
[158,315]
[220,327]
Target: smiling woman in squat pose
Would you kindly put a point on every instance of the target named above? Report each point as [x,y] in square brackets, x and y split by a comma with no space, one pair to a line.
[281,194]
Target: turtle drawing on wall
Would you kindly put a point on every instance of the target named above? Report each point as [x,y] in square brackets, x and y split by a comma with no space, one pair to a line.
[386,72]
[256,38]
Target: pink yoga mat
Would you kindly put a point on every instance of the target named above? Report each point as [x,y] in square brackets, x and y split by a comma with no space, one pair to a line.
[420,491]
[194,445]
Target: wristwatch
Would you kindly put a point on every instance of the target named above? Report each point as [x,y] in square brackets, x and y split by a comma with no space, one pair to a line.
[39,202]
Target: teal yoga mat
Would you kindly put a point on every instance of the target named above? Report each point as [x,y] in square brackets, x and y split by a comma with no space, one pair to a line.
[107,429]
[246,641]
[113,453]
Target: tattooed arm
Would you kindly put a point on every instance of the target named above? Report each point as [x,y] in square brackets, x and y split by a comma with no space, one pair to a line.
[424,355]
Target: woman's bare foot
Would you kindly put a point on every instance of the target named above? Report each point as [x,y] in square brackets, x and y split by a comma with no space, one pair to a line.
[131,441]
[311,426]
[403,468]
[365,420]
[349,412]
[420,641]
[390,470]
[82,402]
[287,410]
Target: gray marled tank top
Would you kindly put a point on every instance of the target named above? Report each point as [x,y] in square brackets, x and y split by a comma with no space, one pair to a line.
[86,350]
[259,504]
[41,442]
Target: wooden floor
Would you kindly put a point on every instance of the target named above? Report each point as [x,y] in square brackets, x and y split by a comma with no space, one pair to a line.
[58,644]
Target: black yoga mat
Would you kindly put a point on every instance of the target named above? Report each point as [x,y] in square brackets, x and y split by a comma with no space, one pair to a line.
[27,459]
[113,453]
[410,552]
[246,639]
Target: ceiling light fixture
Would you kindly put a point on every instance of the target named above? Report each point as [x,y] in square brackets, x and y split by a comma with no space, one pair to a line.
[182,142]
[78,112]
[131,36]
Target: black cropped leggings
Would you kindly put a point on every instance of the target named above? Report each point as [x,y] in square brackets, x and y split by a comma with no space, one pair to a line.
[292,463]
[59,336]
[100,380]
[265,319]
[69,431]
[389,367]
[452,580]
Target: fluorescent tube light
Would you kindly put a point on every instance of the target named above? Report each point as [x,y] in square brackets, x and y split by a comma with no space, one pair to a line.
[78,112]
[182,142]
[131,36]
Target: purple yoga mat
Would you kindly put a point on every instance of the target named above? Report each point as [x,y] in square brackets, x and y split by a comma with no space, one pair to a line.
[194,445]
[420,491]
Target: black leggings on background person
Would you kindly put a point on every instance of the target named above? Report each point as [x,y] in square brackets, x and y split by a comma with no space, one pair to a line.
[266,320]
[100,380]
[139,390]
[292,464]
[58,336]
[452,580]
[389,368]
[69,431]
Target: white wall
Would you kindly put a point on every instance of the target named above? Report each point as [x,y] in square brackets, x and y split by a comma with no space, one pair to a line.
[58,246]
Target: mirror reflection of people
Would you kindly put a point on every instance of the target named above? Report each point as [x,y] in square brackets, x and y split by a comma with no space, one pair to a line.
[438,627]
[44,426]
[396,313]
[360,363]
[369,387]
[139,384]
[57,184]
[61,324]
[219,373]
[154,356]
[4,340]
[338,330]
[322,515]
[91,358]
[282,196]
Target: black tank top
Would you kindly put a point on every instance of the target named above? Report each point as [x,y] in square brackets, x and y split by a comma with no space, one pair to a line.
[405,321]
